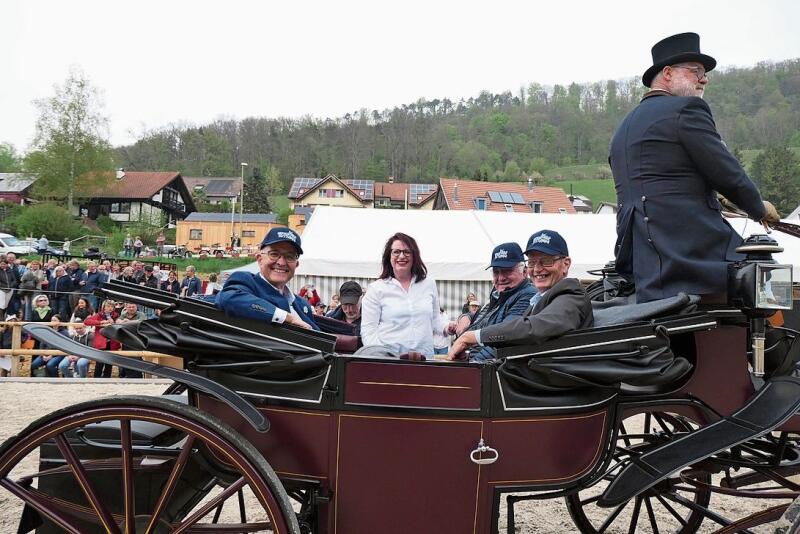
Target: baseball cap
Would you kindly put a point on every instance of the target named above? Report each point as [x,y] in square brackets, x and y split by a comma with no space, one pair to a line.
[474,303]
[548,242]
[506,255]
[282,234]
[350,292]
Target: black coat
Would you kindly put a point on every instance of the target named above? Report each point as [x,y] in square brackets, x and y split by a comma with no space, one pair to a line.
[669,162]
[563,308]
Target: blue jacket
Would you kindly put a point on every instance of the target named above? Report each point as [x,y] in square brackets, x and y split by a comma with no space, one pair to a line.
[668,163]
[250,296]
[192,284]
[93,280]
[501,306]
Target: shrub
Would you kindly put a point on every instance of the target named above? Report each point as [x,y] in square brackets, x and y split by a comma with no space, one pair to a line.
[48,219]
[106,224]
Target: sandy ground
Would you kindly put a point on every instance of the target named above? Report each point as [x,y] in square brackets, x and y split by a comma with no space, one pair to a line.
[23,402]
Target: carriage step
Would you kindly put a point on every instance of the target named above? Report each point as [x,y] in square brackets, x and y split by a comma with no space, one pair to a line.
[770,407]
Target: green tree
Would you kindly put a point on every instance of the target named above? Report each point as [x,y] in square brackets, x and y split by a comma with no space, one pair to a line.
[9,159]
[777,172]
[48,219]
[512,171]
[71,151]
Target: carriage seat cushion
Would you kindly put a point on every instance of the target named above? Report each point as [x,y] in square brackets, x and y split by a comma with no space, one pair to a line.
[608,314]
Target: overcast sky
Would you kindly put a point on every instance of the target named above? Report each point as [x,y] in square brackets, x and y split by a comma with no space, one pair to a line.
[195,61]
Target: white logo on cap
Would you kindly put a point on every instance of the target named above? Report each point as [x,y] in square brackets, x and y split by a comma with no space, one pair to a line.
[287,235]
[542,238]
[501,254]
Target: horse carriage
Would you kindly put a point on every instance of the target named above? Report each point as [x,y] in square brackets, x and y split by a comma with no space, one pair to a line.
[636,423]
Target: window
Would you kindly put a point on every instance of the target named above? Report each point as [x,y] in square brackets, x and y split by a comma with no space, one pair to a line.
[331,193]
[170,196]
[195,234]
[198,188]
[120,207]
[248,233]
[509,208]
[537,207]
[480,203]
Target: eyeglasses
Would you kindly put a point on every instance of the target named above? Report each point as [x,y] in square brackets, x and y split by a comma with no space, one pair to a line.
[700,72]
[544,262]
[401,252]
[290,257]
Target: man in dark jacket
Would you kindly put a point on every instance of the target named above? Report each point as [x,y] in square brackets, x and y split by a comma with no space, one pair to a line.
[60,287]
[265,295]
[669,163]
[510,296]
[349,308]
[94,279]
[559,306]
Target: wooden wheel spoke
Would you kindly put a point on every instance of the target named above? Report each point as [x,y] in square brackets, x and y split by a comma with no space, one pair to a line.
[610,519]
[671,510]
[651,515]
[637,507]
[242,511]
[41,505]
[127,476]
[83,480]
[230,527]
[172,481]
[210,505]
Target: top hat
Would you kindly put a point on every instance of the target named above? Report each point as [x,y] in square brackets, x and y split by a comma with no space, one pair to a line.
[674,49]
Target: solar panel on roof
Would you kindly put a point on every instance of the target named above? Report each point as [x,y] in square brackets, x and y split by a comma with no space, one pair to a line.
[216,187]
[516,198]
[494,196]
[302,183]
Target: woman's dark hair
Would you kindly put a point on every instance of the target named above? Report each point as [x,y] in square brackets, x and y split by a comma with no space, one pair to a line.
[418,268]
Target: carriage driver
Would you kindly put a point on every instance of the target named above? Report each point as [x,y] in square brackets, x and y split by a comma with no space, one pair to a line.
[265,295]
[559,306]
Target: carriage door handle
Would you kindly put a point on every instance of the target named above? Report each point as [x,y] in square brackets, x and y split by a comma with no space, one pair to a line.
[482,447]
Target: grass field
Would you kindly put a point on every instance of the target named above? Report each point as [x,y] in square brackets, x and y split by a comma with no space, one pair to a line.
[278,203]
[579,172]
[597,190]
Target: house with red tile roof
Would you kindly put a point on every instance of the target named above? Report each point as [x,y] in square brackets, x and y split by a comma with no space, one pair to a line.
[404,196]
[455,194]
[331,191]
[156,198]
[215,188]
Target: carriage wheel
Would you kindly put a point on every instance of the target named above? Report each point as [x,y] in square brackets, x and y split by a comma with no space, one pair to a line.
[97,473]
[670,506]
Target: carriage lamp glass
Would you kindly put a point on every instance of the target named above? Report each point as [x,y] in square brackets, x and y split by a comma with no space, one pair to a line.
[773,287]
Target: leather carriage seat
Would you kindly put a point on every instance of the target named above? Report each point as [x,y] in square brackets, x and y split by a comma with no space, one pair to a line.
[620,310]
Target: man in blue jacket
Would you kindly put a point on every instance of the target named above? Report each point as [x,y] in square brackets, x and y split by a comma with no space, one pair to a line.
[669,163]
[511,296]
[265,295]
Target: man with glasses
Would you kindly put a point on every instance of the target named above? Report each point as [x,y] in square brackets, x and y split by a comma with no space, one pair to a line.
[510,296]
[265,295]
[669,164]
[559,305]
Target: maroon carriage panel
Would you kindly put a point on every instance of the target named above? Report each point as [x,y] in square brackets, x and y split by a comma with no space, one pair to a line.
[297,444]
[417,468]
[409,385]
[546,450]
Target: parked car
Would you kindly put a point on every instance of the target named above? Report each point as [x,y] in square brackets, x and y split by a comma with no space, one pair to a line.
[9,243]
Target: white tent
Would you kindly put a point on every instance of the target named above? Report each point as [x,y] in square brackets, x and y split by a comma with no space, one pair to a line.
[342,244]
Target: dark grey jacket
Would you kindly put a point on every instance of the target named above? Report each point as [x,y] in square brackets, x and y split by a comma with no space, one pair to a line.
[563,308]
[669,162]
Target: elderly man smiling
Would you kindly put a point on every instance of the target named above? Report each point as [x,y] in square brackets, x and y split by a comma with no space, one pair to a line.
[265,295]
[559,306]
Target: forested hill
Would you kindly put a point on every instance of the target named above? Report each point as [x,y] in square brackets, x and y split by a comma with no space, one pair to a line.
[490,136]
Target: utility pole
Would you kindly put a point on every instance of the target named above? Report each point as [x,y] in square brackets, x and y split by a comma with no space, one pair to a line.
[241,208]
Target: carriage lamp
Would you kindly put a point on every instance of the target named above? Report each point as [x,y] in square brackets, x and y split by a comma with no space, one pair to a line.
[759,287]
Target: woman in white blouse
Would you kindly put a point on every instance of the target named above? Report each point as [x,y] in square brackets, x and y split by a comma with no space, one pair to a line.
[400,310]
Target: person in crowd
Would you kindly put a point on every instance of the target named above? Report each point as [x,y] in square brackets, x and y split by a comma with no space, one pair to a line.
[71,366]
[160,276]
[350,295]
[107,316]
[116,272]
[669,163]
[212,287]
[14,264]
[471,297]
[127,245]
[6,340]
[50,363]
[129,314]
[138,270]
[319,308]
[60,287]
[335,302]
[160,241]
[94,279]
[8,284]
[50,268]
[44,244]
[191,283]
[560,304]
[78,277]
[22,266]
[472,309]
[511,295]
[171,284]
[265,295]
[127,275]
[441,342]
[30,285]
[66,246]
[309,292]
[149,279]
[400,310]
[137,246]
[104,273]
[82,310]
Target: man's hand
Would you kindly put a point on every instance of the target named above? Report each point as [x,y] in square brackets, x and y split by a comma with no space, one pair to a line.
[459,349]
[462,324]
[772,215]
[451,328]
[297,321]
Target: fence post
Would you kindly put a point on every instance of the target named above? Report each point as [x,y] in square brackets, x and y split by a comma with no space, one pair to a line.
[16,343]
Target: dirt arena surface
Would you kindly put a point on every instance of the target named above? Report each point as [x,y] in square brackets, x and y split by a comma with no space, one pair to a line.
[23,402]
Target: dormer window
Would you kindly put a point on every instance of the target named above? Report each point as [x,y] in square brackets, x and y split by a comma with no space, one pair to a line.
[537,207]
[480,203]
